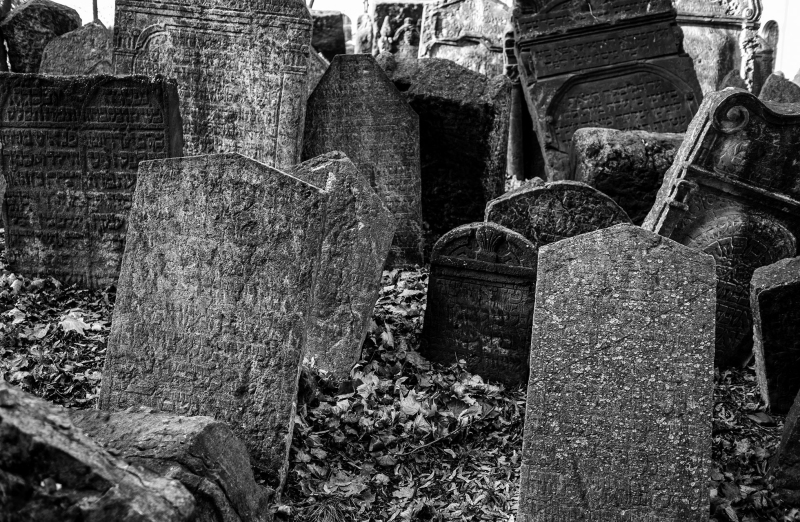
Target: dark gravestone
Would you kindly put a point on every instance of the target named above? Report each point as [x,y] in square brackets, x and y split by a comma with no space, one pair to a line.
[779,90]
[358,235]
[214,298]
[618,419]
[775,302]
[785,464]
[356,109]
[617,64]
[480,301]
[29,28]
[71,149]
[327,36]
[627,166]
[242,70]
[87,50]
[734,192]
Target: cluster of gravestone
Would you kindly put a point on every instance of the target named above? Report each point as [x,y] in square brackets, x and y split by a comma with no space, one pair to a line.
[604,221]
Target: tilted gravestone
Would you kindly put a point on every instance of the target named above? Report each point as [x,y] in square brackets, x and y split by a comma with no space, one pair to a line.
[358,235]
[784,466]
[214,298]
[71,149]
[779,90]
[242,70]
[618,417]
[617,64]
[734,192]
[480,301]
[87,50]
[355,109]
[317,65]
[775,302]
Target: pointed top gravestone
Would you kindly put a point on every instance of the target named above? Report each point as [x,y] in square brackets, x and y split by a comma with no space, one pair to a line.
[87,50]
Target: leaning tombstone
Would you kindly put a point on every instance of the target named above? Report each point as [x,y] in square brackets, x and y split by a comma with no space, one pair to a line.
[775,302]
[328,37]
[618,416]
[778,89]
[87,50]
[71,176]
[214,298]
[733,192]
[480,301]
[242,69]
[358,235]
[355,109]
[784,465]
[317,65]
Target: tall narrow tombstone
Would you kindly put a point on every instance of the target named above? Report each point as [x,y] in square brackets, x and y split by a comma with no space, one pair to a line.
[618,418]
[480,301]
[214,298]
[358,235]
[71,149]
[775,301]
[87,50]
[734,192]
[785,463]
[356,109]
[242,70]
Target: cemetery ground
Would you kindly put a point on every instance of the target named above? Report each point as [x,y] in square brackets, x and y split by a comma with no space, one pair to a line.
[401,439]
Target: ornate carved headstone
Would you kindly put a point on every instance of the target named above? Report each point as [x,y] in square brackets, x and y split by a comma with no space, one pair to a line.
[71,149]
[328,34]
[358,234]
[87,50]
[618,420]
[398,14]
[356,109]
[617,64]
[214,298]
[775,301]
[734,192]
[779,90]
[242,70]
[480,301]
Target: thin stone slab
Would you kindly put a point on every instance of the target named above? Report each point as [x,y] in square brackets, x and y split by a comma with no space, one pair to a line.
[242,69]
[785,464]
[71,149]
[88,50]
[734,192]
[779,90]
[214,298]
[480,301]
[358,235]
[618,417]
[317,65]
[355,109]
[775,301]
[327,37]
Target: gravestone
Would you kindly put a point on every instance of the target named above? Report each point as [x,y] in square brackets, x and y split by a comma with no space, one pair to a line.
[242,70]
[468,32]
[71,149]
[214,298]
[317,65]
[778,89]
[618,417]
[775,302]
[355,109]
[87,50]
[733,79]
[358,235]
[617,64]
[549,212]
[480,301]
[784,466]
[397,14]
[734,192]
[327,37]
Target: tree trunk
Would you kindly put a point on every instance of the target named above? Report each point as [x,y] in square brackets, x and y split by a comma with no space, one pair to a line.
[94,10]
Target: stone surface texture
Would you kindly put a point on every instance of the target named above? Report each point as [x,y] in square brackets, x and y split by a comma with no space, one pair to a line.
[779,90]
[397,13]
[733,79]
[355,109]
[775,302]
[734,192]
[358,236]
[71,174]
[88,50]
[627,166]
[480,301]
[618,417]
[242,70]
[50,470]
[214,298]
[785,464]
[317,65]
[327,37]
[200,452]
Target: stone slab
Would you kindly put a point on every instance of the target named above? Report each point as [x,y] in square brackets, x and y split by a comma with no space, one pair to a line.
[785,463]
[88,50]
[397,13]
[779,90]
[327,36]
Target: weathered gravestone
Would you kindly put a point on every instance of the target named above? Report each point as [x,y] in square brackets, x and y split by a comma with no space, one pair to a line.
[618,418]
[468,32]
[779,90]
[356,109]
[71,149]
[214,298]
[775,302]
[317,65]
[734,192]
[242,70]
[785,464]
[480,301]
[327,35]
[617,64]
[358,235]
[733,79]
[87,50]
[398,14]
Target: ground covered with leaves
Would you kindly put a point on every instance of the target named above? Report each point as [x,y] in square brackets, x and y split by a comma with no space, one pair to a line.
[401,439]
